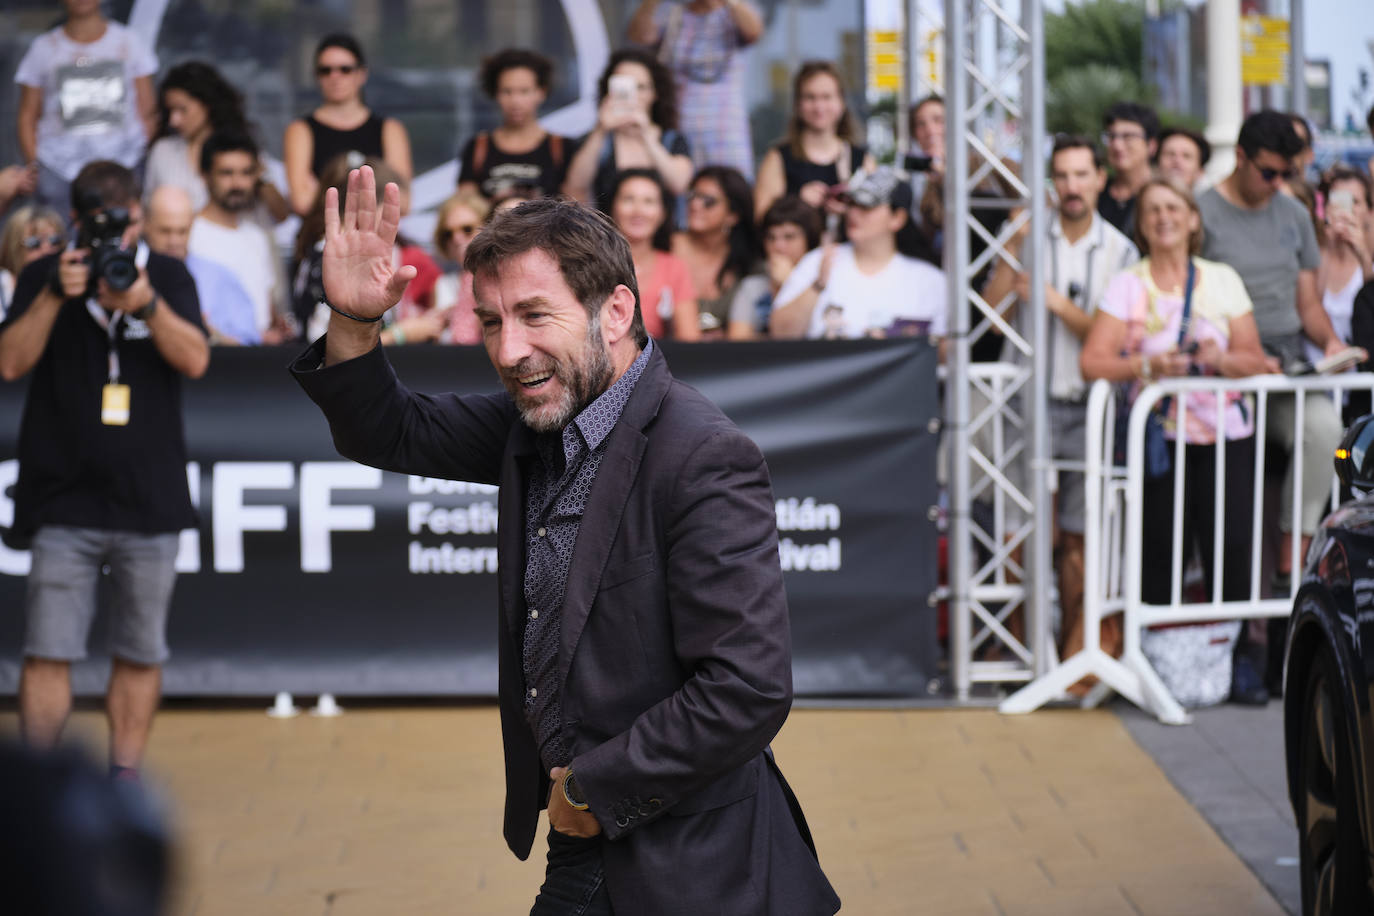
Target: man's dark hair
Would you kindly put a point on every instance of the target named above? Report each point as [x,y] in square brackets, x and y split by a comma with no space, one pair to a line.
[1269,130]
[592,255]
[1134,112]
[115,185]
[341,40]
[792,209]
[1204,149]
[225,142]
[663,235]
[514,59]
[663,111]
[1077,141]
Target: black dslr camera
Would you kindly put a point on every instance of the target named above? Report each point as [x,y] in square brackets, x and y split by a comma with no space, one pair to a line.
[101,230]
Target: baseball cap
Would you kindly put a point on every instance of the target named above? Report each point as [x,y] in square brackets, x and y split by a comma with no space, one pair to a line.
[883,185]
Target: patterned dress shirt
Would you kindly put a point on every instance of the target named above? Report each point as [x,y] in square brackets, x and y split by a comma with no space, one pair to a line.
[560,482]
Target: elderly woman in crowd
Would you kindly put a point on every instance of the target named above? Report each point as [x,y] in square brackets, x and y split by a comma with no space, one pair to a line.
[636,128]
[642,210]
[1140,333]
[821,149]
[341,124]
[719,245]
[30,233]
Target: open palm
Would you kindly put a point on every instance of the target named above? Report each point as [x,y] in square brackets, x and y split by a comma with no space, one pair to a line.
[359,276]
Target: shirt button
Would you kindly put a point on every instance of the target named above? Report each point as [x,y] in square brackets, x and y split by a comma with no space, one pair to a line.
[534,615]
[543,531]
[534,691]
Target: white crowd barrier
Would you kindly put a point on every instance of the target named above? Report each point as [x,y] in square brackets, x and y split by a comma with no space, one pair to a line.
[1113,570]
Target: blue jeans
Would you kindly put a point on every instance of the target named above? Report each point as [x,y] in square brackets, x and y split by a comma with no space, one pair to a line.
[574,882]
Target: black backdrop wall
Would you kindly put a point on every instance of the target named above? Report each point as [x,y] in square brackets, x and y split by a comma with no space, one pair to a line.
[310,573]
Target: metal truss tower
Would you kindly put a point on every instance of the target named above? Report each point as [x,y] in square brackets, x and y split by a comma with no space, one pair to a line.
[1000,591]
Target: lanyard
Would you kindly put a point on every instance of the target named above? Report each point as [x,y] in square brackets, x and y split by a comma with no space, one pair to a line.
[111,326]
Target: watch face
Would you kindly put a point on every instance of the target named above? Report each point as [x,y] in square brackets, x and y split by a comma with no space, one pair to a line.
[573,791]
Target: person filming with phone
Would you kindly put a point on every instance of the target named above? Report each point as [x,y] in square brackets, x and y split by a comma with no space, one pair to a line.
[107,330]
[636,127]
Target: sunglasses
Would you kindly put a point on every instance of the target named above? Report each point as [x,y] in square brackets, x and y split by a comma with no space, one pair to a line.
[37,241]
[706,200]
[345,69]
[1269,175]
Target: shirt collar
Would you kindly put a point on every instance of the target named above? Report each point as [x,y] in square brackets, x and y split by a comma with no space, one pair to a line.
[1094,230]
[598,418]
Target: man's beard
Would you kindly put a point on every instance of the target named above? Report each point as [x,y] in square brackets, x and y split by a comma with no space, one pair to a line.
[235,201]
[579,383]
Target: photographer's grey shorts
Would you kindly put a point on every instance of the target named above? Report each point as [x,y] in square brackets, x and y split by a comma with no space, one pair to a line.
[62,584]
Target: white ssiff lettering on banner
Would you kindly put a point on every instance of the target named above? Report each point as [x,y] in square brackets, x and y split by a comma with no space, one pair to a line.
[808,515]
[449,508]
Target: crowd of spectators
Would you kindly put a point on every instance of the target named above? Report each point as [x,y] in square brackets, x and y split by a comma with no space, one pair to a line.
[1151,271]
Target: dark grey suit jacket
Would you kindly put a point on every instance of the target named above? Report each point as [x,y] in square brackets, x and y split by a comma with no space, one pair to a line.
[676,647]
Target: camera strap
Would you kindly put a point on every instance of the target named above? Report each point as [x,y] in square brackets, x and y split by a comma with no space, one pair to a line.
[110,324]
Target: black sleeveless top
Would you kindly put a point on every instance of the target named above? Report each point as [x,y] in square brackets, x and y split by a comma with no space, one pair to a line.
[800,171]
[366,138]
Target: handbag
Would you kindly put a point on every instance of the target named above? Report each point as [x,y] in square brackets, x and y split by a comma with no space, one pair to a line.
[1158,453]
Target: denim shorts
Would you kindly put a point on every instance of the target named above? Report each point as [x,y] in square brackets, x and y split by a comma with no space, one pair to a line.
[62,585]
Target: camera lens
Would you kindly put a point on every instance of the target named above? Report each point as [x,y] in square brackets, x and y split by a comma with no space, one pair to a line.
[119,270]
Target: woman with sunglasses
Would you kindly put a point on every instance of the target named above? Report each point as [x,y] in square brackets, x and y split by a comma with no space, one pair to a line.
[821,149]
[719,245]
[30,233]
[459,220]
[642,208]
[341,124]
[636,128]
[195,101]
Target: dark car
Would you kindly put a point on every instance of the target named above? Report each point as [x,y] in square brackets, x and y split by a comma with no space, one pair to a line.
[1328,687]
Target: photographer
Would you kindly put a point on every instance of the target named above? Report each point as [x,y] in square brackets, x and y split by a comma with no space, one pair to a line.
[107,329]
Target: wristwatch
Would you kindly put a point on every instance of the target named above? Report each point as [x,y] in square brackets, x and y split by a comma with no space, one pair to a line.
[572,793]
[146,312]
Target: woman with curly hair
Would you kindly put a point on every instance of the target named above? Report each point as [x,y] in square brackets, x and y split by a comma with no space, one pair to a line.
[519,154]
[636,127]
[195,101]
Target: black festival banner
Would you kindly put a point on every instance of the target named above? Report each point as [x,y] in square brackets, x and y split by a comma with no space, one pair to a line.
[310,574]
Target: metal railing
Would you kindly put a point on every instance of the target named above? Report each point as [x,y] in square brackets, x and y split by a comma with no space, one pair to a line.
[1113,571]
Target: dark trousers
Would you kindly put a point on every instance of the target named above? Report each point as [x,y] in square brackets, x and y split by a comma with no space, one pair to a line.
[574,881]
[1199,515]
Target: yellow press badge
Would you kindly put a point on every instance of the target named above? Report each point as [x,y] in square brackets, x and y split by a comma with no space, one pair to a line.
[114,405]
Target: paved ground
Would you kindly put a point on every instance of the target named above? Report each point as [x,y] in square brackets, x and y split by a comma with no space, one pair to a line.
[1229,764]
[947,812]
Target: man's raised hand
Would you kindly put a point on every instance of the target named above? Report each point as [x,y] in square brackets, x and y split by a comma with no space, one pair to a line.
[359,278]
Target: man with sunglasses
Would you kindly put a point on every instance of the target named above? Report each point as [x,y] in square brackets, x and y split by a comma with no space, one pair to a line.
[1269,239]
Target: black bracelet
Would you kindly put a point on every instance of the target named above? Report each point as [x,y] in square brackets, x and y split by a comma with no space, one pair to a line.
[354,317]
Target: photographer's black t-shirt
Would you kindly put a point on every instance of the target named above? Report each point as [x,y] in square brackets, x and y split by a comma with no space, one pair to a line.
[74,469]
